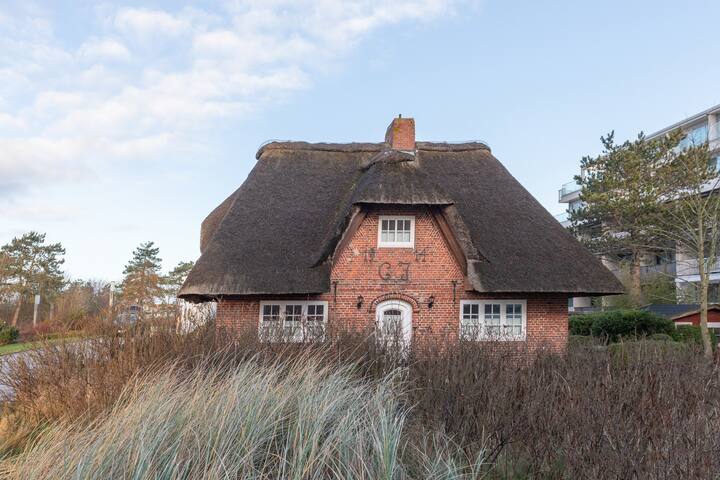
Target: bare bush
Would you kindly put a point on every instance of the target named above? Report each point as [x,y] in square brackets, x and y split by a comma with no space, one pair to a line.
[637,410]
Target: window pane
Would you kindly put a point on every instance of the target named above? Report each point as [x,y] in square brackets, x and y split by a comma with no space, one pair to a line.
[391,225]
[385,226]
[492,319]
[314,322]
[470,323]
[513,319]
[271,312]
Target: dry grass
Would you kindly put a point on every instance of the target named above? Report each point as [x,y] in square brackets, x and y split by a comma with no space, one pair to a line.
[643,410]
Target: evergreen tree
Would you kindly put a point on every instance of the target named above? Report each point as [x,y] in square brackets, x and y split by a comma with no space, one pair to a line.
[30,267]
[621,197]
[175,279]
[142,283]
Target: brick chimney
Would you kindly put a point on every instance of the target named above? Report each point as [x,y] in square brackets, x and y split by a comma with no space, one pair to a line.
[400,134]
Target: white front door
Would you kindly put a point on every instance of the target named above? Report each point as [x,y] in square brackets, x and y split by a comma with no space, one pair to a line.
[394,322]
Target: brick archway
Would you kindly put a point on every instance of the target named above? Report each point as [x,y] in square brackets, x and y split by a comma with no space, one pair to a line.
[395,296]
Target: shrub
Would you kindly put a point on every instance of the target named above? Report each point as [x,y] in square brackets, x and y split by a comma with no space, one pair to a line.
[646,409]
[581,325]
[661,337]
[645,346]
[581,340]
[8,334]
[617,324]
[294,420]
[692,334]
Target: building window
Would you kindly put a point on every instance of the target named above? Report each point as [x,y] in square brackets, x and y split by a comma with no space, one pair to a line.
[493,319]
[470,321]
[715,161]
[695,136]
[292,321]
[396,232]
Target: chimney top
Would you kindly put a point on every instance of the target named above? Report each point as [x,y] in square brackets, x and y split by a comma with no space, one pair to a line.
[400,134]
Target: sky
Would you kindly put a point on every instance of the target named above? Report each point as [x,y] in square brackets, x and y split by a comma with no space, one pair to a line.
[126,122]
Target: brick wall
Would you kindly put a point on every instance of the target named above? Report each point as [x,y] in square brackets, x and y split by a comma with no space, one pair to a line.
[413,275]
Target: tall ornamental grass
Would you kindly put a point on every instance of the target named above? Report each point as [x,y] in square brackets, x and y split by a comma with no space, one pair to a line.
[286,420]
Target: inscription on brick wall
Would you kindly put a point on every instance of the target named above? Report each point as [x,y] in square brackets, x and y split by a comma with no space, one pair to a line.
[398,273]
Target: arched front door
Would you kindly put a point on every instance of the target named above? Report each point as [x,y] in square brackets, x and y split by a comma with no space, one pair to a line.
[394,322]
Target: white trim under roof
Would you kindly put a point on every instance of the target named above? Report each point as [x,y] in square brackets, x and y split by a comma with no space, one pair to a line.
[688,121]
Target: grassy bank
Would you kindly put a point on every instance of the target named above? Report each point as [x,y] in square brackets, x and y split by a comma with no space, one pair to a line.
[200,406]
[23,346]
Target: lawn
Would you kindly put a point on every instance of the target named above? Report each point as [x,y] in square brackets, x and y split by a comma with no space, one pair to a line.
[23,346]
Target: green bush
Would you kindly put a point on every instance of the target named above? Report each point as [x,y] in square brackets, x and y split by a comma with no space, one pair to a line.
[617,324]
[691,334]
[580,325]
[8,334]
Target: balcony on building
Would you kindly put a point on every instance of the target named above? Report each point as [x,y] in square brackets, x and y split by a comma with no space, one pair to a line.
[568,192]
[563,218]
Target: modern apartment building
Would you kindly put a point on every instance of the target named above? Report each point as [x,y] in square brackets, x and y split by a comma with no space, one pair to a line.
[701,127]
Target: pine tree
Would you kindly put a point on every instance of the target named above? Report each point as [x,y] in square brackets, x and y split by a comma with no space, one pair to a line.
[175,279]
[30,267]
[621,198]
[142,283]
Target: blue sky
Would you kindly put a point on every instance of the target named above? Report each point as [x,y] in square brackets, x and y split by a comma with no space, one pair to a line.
[126,122]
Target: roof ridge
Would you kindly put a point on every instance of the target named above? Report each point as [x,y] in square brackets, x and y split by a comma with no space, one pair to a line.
[367,146]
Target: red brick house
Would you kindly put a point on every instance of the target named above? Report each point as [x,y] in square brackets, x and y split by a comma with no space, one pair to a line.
[431,239]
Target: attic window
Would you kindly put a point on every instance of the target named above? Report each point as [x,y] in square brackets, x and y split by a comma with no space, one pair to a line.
[396,231]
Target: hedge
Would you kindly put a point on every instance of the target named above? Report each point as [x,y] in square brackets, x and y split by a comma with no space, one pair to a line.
[691,333]
[617,324]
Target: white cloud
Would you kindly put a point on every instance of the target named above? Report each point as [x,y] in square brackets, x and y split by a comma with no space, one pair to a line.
[148,23]
[144,83]
[104,48]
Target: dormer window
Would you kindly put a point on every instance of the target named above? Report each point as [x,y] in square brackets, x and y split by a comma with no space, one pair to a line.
[396,231]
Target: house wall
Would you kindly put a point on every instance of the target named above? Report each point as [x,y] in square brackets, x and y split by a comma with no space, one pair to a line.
[412,275]
[694,319]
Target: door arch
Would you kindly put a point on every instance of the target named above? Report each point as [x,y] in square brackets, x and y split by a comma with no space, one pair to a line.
[394,322]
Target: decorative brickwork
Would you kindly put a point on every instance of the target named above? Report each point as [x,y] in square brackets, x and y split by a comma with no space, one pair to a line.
[424,275]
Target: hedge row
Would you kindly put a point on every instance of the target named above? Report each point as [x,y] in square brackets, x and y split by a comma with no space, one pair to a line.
[615,325]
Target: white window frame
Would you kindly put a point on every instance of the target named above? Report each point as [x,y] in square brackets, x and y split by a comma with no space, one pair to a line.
[482,334]
[300,336]
[395,244]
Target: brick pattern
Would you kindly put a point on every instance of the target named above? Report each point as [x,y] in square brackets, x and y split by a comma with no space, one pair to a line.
[400,134]
[413,275]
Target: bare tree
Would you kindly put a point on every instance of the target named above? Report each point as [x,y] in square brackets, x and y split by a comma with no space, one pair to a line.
[690,217]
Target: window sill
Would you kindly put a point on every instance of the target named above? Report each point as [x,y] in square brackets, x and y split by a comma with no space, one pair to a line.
[495,339]
[396,245]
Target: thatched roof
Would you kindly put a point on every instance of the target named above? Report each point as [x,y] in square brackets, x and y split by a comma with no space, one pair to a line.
[277,232]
